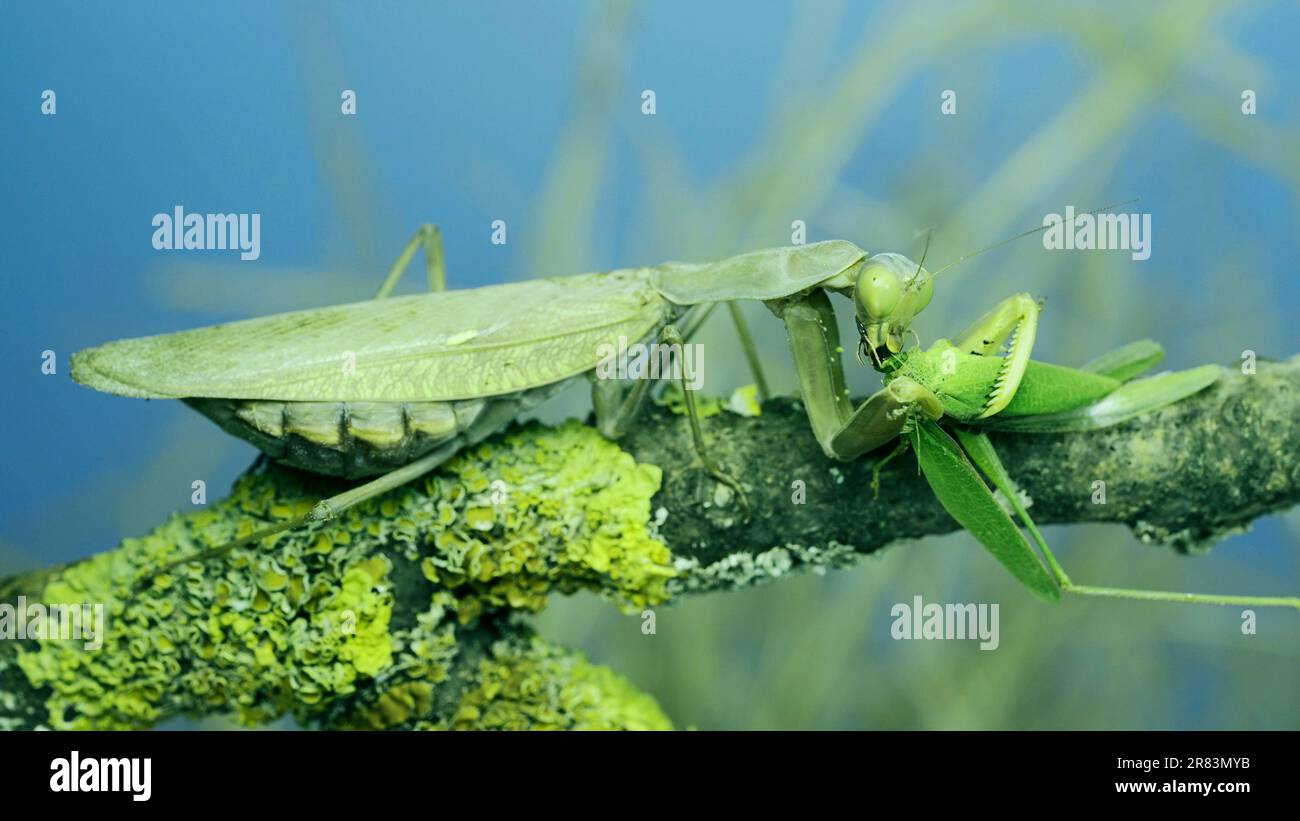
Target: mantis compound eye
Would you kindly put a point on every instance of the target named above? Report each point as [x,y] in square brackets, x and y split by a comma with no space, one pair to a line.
[877,292]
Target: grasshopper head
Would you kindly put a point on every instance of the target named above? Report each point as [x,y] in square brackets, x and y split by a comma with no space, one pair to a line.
[889,292]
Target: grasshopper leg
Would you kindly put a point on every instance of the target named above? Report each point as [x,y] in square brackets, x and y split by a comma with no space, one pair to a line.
[1127,361]
[429,237]
[981,452]
[880,465]
[1014,318]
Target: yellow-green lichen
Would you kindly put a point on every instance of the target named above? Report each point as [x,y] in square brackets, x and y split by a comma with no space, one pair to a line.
[523,683]
[295,622]
[275,637]
[406,702]
[548,509]
[744,401]
[528,684]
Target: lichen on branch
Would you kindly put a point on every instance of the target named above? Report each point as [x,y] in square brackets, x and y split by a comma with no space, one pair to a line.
[406,612]
[404,600]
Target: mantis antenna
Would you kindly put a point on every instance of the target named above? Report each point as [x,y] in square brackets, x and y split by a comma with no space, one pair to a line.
[924,251]
[1021,235]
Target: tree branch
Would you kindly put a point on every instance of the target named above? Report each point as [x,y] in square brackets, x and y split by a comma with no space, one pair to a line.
[406,611]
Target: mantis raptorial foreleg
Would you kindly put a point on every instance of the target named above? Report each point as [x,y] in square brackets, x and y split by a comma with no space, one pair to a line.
[815,347]
[1014,318]
[981,452]
[882,417]
[430,238]
[843,431]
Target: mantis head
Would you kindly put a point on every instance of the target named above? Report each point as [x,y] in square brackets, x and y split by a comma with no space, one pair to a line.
[889,292]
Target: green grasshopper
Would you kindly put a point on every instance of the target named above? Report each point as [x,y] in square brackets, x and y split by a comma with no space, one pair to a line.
[397,386]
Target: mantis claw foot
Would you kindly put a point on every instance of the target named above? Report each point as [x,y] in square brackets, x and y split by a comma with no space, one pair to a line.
[733,483]
[723,477]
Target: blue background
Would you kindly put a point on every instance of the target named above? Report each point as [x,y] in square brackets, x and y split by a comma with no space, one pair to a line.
[766,113]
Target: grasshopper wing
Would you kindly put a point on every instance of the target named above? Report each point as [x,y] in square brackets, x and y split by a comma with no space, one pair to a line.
[967,499]
[432,347]
[1129,400]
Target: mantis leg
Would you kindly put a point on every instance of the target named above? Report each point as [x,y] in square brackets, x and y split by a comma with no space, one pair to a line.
[696,318]
[430,238]
[615,408]
[843,432]
[1014,318]
[981,452]
[614,412]
[751,353]
[325,509]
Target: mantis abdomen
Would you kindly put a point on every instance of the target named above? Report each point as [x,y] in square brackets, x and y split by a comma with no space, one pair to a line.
[352,439]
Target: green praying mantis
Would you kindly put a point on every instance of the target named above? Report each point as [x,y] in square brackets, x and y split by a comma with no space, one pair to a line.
[395,386]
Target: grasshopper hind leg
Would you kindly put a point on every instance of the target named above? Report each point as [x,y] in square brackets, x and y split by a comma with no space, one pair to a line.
[1126,362]
[1014,320]
[980,450]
